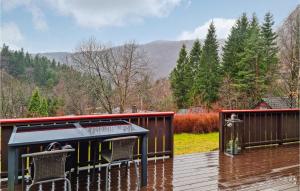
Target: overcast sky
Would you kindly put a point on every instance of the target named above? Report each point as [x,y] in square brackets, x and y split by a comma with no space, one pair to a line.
[59,25]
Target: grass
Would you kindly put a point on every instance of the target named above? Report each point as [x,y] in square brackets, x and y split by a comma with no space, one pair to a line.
[186,143]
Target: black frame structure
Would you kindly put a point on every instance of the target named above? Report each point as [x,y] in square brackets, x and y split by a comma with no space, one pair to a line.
[43,134]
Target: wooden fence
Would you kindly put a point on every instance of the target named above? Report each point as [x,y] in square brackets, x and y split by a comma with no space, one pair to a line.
[159,124]
[261,127]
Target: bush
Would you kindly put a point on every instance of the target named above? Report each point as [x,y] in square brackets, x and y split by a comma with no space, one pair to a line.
[196,123]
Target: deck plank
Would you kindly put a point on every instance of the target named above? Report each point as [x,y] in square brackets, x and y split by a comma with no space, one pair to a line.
[268,169]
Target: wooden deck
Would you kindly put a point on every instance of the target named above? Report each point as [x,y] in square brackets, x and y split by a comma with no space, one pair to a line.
[268,169]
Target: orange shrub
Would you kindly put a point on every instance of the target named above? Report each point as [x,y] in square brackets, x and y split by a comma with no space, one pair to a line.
[196,123]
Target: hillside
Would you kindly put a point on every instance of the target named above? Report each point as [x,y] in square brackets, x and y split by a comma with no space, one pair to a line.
[162,55]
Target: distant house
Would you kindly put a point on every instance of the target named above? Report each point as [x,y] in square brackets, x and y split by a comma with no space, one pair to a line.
[275,103]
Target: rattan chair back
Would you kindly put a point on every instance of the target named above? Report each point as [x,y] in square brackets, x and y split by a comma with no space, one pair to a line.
[122,148]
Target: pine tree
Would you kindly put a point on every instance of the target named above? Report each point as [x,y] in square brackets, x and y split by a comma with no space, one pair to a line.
[53,63]
[250,76]
[34,104]
[194,57]
[53,106]
[269,48]
[41,71]
[192,68]
[208,76]
[234,46]
[178,79]
[38,105]
[43,110]
[232,50]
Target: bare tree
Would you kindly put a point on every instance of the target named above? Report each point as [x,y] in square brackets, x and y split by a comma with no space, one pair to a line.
[161,96]
[289,43]
[142,95]
[71,89]
[13,97]
[228,94]
[111,72]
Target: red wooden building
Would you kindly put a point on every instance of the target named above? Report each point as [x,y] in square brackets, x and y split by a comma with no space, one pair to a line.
[276,103]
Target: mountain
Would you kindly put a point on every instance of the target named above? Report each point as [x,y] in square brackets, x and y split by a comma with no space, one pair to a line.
[58,56]
[162,55]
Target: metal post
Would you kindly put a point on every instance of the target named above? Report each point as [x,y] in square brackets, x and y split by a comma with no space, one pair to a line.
[144,160]
[22,173]
[12,168]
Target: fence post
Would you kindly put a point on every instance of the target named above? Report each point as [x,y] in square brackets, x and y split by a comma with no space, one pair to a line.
[221,132]
[280,130]
[172,136]
[243,130]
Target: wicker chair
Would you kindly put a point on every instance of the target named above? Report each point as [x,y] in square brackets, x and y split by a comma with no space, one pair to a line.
[121,152]
[49,166]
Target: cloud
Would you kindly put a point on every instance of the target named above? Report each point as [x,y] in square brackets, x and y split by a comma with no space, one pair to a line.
[188,4]
[38,17]
[223,27]
[11,35]
[8,5]
[96,13]
[102,13]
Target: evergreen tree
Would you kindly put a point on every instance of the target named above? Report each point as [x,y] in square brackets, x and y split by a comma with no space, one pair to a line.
[194,57]
[178,79]
[43,110]
[191,69]
[232,50]
[269,49]
[234,46]
[53,63]
[53,106]
[27,60]
[39,70]
[5,55]
[34,104]
[207,81]
[250,76]
[38,106]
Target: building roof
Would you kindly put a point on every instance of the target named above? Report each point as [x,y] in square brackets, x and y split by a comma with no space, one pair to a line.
[280,102]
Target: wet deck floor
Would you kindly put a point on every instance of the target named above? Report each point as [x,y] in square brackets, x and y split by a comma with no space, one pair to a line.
[267,169]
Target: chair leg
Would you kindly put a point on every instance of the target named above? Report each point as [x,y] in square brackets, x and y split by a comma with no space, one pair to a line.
[30,186]
[137,173]
[106,177]
[127,167]
[70,176]
[22,174]
[69,184]
[94,165]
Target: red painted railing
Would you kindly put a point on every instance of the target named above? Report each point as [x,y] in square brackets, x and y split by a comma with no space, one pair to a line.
[159,124]
[259,110]
[81,117]
[261,127]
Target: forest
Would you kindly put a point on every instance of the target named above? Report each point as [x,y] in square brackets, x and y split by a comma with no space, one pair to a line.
[256,62]
[101,80]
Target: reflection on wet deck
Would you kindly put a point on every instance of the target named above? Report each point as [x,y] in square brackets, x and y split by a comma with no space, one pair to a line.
[269,169]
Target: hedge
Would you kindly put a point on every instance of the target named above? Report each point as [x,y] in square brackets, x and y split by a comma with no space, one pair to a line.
[196,123]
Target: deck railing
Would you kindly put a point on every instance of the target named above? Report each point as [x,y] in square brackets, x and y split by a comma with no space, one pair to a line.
[159,124]
[261,127]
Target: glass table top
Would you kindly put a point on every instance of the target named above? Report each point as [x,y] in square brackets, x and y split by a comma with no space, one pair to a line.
[70,132]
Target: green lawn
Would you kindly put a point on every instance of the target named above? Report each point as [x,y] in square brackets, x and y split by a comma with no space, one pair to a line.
[191,143]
